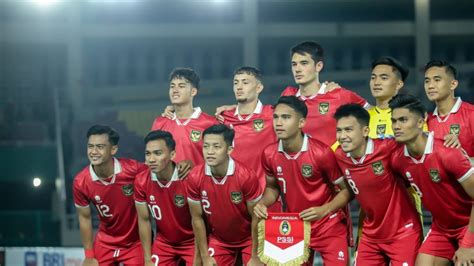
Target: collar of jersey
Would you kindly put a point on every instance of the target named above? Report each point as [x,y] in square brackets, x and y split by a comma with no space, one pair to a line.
[322,90]
[304,148]
[230,171]
[454,110]
[195,115]
[258,110]
[174,177]
[428,149]
[117,170]
[384,111]
[369,149]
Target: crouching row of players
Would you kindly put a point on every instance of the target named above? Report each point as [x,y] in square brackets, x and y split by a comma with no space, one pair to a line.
[210,216]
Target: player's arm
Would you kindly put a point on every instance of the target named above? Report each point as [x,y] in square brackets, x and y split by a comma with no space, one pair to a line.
[86,230]
[144,230]
[254,260]
[270,195]
[200,234]
[339,201]
[465,254]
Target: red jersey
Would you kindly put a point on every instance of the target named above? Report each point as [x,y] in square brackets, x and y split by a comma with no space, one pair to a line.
[437,176]
[113,199]
[459,121]
[392,215]
[321,124]
[252,134]
[224,200]
[306,178]
[187,134]
[168,206]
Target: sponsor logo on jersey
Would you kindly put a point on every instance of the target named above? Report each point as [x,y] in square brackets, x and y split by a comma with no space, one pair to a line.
[381,129]
[306,170]
[195,135]
[285,228]
[455,129]
[279,170]
[152,198]
[127,190]
[97,199]
[377,167]
[258,125]
[236,197]
[434,173]
[323,108]
[179,200]
[340,255]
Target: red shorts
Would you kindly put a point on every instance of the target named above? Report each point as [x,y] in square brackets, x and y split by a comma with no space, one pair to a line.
[440,243]
[166,254]
[400,252]
[107,255]
[225,254]
[331,244]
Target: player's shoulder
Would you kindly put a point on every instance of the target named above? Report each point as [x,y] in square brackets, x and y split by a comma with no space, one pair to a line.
[82,176]
[207,117]
[467,106]
[159,122]
[289,91]
[385,144]
[340,153]
[271,148]
[196,174]
[128,164]
[143,177]
[314,143]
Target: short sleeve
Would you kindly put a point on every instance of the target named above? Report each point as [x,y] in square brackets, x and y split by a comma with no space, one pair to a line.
[458,164]
[80,198]
[330,168]
[157,124]
[140,193]
[355,98]
[251,188]
[267,167]
[192,186]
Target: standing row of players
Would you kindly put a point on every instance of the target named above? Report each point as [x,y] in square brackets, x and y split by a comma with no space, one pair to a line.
[285,151]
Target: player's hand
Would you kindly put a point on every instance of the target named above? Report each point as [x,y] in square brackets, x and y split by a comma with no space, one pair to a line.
[314,213]
[464,257]
[168,112]
[254,261]
[90,262]
[452,141]
[331,85]
[184,167]
[221,109]
[209,261]
[260,211]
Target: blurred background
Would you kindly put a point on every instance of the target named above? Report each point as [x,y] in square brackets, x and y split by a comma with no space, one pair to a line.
[67,64]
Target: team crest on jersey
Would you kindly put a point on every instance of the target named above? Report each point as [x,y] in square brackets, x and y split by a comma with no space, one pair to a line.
[179,200]
[455,129]
[323,108]
[127,190]
[285,228]
[195,135]
[381,129]
[377,167]
[236,197]
[306,170]
[258,125]
[434,173]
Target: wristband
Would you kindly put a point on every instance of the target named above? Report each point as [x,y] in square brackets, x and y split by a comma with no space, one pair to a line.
[468,240]
[89,253]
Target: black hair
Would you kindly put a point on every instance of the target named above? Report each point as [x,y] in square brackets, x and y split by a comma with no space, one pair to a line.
[295,103]
[355,110]
[311,48]
[223,130]
[250,71]
[101,129]
[450,69]
[399,69]
[161,134]
[186,73]
[409,102]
